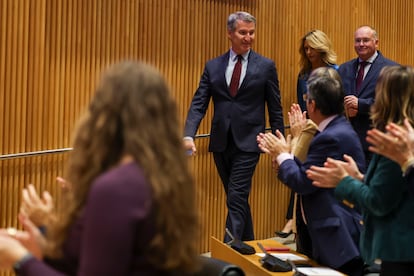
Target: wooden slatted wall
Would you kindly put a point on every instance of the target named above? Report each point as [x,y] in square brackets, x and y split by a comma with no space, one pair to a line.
[53,51]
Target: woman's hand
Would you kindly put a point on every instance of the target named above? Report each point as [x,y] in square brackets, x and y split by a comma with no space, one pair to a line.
[14,244]
[397,144]
[11,250]
[39,210]
[32,239]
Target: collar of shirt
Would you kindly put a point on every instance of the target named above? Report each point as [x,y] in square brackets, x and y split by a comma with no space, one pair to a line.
[233,56]
[325,122]
[286,155]
[232,63]
[371,59]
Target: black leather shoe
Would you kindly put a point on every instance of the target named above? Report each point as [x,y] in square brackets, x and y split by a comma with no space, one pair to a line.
[282,234]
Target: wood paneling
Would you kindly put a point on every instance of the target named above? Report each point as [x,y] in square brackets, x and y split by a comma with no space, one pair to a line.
[53,51]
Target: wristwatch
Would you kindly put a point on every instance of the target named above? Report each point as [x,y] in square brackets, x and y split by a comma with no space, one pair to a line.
[18,265]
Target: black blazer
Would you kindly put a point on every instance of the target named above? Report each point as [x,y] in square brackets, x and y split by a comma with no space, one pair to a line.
[243,115]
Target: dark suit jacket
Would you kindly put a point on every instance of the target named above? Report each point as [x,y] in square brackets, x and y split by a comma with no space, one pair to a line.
[243,115]
[410,181]
[333,227]
[366,96]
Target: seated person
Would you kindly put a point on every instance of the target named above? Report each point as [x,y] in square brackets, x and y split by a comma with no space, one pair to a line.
[327,230]
[130,208]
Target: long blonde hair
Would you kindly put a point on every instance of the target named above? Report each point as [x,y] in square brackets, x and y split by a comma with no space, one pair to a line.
[319,41]
[134,114]
[394,96]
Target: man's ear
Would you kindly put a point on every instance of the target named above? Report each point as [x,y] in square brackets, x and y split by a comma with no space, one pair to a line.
[311,105]
[229,32]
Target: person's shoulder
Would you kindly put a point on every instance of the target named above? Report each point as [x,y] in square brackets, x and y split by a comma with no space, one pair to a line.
[386,60]
[339,125]
[334,66]
[342,121]
[254,55]
[219,58]
[347,64]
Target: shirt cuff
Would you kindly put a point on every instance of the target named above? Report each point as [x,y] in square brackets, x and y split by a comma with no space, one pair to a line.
[283,157]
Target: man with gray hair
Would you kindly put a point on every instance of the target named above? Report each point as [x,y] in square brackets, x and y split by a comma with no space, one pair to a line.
[328,230]
[240,82]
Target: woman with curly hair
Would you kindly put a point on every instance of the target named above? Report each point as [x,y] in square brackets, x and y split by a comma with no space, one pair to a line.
[130,208]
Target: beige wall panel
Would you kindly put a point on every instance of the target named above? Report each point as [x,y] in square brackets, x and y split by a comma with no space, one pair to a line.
[53,52]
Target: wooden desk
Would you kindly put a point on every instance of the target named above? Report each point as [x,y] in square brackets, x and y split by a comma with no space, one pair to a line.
[249,263]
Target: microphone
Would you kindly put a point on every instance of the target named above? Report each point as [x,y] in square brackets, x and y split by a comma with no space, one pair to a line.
[273,263]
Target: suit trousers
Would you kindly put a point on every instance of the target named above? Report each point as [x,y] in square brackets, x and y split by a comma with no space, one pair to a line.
[354,267]
[236,169]
[303,239]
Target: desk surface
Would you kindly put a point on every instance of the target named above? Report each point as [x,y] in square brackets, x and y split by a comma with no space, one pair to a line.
[250,263]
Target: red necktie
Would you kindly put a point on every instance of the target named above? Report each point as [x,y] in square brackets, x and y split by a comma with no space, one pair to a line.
[360,75]
[235,78]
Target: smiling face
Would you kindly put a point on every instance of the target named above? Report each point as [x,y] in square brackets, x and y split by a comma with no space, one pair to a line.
[242,36]
[365,42]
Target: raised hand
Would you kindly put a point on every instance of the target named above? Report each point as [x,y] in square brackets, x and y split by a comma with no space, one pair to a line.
[297,120]
[273,144]
[38,209]
[397,144]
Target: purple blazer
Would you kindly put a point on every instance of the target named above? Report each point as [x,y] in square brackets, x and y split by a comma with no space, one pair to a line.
[112,233]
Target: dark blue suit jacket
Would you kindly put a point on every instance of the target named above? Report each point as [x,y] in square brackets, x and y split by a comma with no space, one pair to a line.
[243,115]
[333,227]
[366,96]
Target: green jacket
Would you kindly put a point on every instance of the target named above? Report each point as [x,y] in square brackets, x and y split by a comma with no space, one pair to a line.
[387,209]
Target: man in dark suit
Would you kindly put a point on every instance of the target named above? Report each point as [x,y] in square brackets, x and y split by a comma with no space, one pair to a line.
[239,115]
[327,230]
[360,97]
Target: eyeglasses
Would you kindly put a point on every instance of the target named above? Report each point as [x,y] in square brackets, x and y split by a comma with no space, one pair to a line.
[306,98]
[363,40]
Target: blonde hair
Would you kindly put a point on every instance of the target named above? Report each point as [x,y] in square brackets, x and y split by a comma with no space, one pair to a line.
[319,41]
[394,96]
[133,114]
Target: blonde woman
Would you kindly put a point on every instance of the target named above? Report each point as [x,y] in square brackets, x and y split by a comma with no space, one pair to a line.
[316,51]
